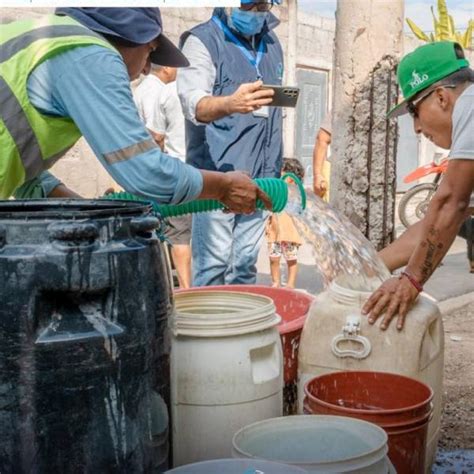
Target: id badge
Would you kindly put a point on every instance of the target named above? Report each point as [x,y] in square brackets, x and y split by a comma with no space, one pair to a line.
[262,112]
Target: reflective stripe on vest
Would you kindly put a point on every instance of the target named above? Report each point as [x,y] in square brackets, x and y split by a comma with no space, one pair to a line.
[130,151]
[15,45]
[11,111]
[17,124]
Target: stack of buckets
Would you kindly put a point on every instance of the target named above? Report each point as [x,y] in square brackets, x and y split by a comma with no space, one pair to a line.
[400,405]
[364,408]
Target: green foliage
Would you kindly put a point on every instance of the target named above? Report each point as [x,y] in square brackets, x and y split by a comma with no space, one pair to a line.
[444,28]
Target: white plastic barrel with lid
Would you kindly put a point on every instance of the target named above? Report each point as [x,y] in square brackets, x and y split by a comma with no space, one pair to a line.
[317,444]
[336,336]
[226,370]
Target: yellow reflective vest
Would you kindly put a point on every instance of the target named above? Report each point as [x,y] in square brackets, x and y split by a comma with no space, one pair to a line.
[31,142]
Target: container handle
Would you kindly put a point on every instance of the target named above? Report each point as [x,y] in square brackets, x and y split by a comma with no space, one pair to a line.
[144,227]
[77,320]
[265,363]
[73,235]
[350,332]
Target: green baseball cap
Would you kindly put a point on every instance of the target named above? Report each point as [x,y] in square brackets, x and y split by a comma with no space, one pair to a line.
[423,67]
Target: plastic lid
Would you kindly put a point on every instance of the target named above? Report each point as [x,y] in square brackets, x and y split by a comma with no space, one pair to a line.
[69,208]
[222,313]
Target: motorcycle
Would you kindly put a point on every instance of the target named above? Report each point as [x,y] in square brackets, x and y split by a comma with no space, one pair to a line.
[414,203]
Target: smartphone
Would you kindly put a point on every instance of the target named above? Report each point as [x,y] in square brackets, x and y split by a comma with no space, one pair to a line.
[285,96]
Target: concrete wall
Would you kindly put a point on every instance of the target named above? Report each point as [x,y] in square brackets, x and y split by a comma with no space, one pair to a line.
[315,41]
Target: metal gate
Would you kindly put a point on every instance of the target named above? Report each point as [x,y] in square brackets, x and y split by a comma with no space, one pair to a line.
[310,111]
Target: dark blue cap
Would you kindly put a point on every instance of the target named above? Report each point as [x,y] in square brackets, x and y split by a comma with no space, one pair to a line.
[135,25]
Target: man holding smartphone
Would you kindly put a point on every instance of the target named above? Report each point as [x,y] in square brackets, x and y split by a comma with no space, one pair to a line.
[230,126]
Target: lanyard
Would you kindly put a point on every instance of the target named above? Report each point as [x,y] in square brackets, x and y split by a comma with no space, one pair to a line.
[253,60]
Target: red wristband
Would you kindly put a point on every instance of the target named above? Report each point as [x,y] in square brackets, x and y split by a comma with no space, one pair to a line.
[417,285]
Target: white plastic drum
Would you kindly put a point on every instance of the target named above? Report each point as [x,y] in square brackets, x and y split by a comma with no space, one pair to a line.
[226,370]
[317,444]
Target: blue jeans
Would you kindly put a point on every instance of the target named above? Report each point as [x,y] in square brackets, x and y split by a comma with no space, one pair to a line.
[225,247]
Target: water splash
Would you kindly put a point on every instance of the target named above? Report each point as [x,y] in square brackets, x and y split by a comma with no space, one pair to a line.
[339,248]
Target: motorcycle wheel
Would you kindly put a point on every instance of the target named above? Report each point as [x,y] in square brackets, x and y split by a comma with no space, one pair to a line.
[414,203]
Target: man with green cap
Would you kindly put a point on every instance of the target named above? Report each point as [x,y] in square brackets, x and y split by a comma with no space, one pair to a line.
[438,90]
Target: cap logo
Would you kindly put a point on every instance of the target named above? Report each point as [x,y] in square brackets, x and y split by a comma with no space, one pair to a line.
[417,79]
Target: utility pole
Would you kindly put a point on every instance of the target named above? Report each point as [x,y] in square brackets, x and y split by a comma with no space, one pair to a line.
[369,42]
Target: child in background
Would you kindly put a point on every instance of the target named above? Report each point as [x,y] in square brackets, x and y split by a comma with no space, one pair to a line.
[283,237]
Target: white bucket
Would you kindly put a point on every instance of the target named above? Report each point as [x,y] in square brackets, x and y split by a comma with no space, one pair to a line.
[226,370]
[237,466]
[316,443]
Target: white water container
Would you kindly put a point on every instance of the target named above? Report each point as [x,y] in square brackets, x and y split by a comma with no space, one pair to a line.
[337,337]
[226,370]
[317,444]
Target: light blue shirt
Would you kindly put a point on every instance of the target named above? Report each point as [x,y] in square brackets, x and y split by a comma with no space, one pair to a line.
[90,84]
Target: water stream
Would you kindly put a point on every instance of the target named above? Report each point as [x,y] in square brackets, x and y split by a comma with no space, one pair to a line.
[339,248]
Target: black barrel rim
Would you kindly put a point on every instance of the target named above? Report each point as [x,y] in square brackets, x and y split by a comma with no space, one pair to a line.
[70,208]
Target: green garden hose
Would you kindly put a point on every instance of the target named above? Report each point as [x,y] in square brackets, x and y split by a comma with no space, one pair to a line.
[276,189]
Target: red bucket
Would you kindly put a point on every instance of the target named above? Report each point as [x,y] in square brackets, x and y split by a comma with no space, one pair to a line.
[400,405]
[293,307]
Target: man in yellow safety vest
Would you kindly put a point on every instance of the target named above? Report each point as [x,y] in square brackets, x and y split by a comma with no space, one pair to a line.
[68,75]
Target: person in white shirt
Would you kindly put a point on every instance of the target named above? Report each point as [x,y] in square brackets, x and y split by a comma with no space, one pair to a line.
[148,93]
[170,121]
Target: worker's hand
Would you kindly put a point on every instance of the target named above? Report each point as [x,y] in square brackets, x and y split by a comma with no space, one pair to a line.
[159,139]
[249,97]
[240,194]
[320,185]
[62,191]
[394,297]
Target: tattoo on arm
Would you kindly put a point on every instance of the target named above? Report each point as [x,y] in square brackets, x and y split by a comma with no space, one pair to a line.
[432,247]
[433,232]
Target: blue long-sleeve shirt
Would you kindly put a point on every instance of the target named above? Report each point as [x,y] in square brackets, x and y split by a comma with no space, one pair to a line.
[90,84]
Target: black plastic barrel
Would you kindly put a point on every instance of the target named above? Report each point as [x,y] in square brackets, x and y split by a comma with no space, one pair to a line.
[84,343]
